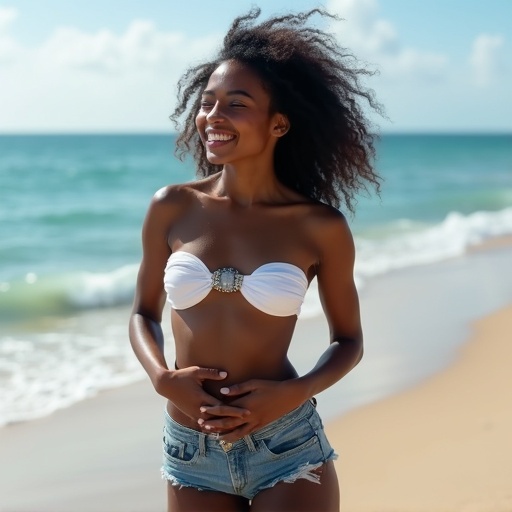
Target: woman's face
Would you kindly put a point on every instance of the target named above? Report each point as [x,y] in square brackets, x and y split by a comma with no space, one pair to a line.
[234,121]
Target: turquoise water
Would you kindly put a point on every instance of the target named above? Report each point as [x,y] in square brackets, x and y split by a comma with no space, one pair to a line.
[429,176]
[71,209]
[76,203]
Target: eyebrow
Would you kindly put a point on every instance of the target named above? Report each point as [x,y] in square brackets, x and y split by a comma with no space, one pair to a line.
[235,92]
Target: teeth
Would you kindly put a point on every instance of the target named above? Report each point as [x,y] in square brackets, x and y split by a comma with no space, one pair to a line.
[219,136]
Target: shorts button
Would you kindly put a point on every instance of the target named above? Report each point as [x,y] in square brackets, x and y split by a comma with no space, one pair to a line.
[226,446]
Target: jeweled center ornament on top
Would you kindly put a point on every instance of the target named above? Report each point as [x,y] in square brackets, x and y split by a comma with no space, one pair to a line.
[227,280]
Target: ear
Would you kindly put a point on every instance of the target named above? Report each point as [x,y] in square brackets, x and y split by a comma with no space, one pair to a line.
[280,126]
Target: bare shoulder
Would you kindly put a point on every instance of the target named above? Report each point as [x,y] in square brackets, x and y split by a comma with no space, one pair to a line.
[327,215]
[174,200]
[328,230]
[167,206]
[328,224]
[182,193]
[173,195]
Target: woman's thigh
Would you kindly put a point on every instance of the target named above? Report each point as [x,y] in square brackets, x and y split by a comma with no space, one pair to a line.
[302,495]
[188,499]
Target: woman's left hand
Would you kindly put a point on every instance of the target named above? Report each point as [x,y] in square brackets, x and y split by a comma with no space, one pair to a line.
[266,400]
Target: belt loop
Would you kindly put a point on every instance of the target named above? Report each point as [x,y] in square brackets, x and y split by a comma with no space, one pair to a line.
[202,444]
[250,443]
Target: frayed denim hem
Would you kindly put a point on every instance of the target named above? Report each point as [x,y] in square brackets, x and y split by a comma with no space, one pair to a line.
[305,471]
[177,483]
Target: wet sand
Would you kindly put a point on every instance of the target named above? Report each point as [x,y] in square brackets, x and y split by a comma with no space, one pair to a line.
[442,445]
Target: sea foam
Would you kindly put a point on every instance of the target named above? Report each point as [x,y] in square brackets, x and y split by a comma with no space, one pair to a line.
[450,238]
[88,349]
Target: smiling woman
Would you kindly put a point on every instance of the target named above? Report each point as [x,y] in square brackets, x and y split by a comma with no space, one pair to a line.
[280,140]
[235,104]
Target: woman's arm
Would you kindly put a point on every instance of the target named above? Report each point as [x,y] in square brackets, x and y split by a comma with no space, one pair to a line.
[335,274]
[268,400]
[146,335]
[183,387]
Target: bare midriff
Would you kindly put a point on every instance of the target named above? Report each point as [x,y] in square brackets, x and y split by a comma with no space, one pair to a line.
[225,332]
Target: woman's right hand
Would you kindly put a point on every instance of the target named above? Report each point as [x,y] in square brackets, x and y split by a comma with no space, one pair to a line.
[184,388]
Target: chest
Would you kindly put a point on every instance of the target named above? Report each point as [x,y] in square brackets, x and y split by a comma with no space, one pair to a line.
[245,239]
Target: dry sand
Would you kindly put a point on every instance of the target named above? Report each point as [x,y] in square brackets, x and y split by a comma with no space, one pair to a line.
[443,446]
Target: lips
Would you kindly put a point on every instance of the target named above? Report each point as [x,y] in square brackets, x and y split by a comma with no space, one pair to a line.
[211,136]
[216,138]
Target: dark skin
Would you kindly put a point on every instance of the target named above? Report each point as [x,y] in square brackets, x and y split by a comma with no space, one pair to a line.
[234,375]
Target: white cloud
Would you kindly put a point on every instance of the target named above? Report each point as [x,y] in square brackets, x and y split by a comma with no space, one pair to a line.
[484,58]
[416,63]
[7,16]
[124,80]
[376,40]
[140,46]
[83,81]
[9,49]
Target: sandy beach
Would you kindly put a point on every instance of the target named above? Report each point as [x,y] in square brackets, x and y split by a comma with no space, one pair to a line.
[442,445]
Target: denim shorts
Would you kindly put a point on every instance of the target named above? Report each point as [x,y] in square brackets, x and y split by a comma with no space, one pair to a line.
[285,450]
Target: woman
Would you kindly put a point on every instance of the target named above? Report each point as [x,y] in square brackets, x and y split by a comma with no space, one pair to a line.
[278,136]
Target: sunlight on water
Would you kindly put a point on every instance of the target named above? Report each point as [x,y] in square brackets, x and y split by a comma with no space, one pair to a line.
[71,210]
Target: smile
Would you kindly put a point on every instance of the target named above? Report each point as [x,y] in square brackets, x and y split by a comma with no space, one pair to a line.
[211,137]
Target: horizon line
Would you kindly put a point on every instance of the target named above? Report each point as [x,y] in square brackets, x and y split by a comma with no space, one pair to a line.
[164,133]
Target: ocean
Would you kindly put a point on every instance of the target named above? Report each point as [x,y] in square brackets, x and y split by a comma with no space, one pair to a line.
[71,209]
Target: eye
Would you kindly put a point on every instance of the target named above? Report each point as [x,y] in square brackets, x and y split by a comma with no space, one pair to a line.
[237,104]
[205,105]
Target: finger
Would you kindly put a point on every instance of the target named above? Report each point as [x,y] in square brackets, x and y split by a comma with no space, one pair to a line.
[225,410]
[209,374]
[216,430]
[210,401]
[239,389]
[220,424]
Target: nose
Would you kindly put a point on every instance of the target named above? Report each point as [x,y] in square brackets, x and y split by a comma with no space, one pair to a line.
[215,113]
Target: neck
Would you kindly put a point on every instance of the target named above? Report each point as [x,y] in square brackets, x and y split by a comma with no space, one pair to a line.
[247,186]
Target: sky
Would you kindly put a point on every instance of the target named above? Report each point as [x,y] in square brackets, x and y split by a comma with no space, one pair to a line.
[86,66]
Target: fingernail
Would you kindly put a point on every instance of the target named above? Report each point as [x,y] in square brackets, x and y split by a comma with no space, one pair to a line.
[223,374]
[224,391]
[208,427]
[202,409]
[200,421]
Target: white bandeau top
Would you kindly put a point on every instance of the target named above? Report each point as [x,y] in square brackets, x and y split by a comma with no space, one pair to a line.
[277,289]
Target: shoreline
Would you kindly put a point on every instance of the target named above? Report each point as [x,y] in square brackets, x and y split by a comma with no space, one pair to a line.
[49,336]
[103,454]
[442,445]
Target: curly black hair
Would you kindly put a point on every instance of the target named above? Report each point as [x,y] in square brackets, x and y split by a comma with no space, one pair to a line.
[328,152]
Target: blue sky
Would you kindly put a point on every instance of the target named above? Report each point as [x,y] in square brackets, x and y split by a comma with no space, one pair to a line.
[111,66]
